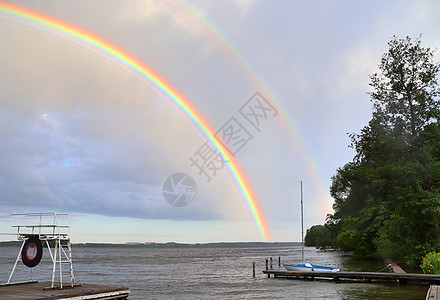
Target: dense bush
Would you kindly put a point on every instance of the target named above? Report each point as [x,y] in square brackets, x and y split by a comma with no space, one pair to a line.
[431,263]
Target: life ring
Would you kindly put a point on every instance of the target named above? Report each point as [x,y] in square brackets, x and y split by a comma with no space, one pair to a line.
[32,252]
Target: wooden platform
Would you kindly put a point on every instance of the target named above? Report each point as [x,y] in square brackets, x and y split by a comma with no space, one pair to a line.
[42,290]
[393,267]
[365,276]
[433,293]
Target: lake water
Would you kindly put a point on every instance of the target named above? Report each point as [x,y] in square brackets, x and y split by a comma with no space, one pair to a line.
[211,273]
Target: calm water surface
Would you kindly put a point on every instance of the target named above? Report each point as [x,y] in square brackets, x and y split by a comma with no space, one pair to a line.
[211,273]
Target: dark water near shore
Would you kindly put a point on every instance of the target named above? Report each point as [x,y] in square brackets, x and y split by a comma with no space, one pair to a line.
[211,273]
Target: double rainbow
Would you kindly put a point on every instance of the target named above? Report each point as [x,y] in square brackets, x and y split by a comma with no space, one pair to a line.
[123,59]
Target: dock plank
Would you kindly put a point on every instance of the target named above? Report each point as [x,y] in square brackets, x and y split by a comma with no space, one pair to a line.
[433,293]
[393,267]
[40,290]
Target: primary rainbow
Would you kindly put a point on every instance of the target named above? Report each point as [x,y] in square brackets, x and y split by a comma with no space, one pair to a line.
[122,58]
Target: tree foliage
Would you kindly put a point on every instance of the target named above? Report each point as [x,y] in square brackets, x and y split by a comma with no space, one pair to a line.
[406,89]
[319,236]
[387,200]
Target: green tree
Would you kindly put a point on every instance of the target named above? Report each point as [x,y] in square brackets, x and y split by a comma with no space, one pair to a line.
[319,236]
[406,89]
[387,200]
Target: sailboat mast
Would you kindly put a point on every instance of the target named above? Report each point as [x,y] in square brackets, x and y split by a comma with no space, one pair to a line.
[302,224]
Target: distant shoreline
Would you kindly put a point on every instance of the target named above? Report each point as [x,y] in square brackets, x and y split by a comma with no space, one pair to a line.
[175,245]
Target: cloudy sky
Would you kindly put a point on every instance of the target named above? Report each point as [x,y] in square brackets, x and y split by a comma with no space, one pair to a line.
[79,134]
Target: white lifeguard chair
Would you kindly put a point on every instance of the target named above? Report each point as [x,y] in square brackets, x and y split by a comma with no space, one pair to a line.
[49,227]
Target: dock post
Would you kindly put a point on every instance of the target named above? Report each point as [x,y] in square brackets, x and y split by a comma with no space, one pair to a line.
[253,269]
[267,268]
[271,264]
[279,261]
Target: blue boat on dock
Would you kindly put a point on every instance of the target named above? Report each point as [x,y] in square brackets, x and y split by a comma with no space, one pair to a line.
[308,267]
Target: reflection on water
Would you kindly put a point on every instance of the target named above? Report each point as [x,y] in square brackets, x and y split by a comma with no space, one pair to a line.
[213,273]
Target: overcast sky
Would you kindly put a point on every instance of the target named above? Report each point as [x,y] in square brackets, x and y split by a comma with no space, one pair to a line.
[80,135]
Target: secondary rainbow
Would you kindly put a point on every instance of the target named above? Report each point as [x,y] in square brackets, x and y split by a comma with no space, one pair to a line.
[230,49]
[128,62]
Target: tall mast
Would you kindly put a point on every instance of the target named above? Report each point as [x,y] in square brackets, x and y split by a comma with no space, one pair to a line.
[302,224]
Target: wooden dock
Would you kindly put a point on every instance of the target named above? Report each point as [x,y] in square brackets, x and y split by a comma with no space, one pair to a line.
[433,292]
[42,290]
[393,267]
[365,276]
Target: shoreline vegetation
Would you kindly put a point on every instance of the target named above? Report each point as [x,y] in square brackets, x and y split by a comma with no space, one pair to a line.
[387,199]
[174,244]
